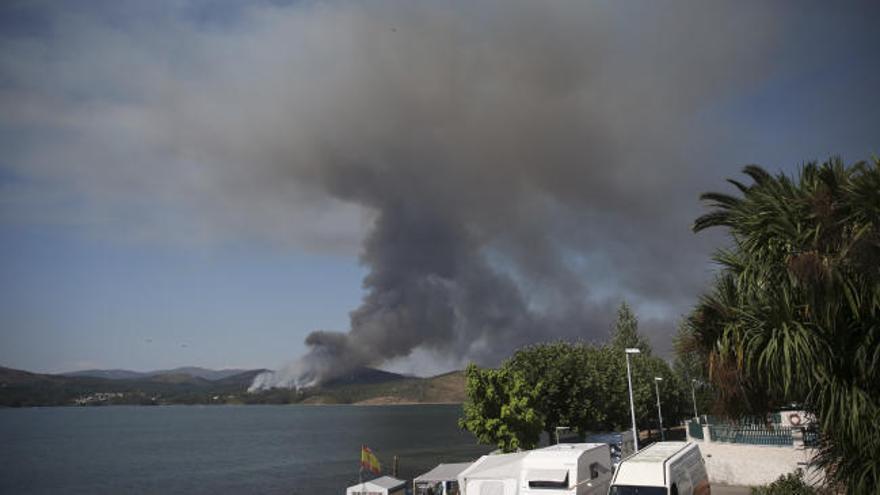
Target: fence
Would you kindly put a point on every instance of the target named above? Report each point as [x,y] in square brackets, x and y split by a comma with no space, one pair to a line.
[753,434]
[811,437]
[695,430]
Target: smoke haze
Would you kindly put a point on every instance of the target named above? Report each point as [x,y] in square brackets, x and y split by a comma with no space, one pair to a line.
[507,171]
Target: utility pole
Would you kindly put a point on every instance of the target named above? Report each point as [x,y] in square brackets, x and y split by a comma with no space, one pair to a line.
[632,407]
[657,381]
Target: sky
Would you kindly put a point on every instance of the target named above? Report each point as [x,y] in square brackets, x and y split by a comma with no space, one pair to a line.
[416,185]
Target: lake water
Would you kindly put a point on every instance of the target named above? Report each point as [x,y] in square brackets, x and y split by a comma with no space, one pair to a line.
[220,449]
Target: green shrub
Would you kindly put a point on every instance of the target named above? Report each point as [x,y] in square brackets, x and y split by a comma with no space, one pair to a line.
[788,484]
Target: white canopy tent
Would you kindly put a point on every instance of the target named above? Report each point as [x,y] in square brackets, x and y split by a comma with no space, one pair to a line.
[385,485]
[442,480]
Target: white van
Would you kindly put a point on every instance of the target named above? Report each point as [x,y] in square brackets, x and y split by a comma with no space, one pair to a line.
[664,468]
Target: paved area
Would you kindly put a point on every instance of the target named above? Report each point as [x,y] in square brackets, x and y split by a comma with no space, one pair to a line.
[730,490]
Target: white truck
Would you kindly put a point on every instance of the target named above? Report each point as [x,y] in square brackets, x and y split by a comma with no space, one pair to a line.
[663,468]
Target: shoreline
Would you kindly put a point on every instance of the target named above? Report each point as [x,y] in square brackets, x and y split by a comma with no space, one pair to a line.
[353,404]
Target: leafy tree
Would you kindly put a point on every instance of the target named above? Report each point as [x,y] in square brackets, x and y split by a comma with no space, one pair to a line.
[626,331]
[560,384]
[795,312]
[499,409]
[690,367]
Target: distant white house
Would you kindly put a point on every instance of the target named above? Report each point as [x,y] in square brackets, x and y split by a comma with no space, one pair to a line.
[386,485]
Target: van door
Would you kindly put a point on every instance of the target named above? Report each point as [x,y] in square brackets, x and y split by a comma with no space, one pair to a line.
[679,479]
[595,480]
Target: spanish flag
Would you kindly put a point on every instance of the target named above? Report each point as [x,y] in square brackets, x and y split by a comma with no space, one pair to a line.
[369,460]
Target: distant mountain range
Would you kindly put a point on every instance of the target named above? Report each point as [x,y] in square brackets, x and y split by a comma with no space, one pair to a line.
[193,385]
[193,371]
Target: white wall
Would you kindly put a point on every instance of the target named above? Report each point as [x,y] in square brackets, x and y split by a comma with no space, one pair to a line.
[751,465]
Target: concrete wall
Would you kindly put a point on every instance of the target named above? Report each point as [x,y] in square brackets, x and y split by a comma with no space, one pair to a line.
[751,465]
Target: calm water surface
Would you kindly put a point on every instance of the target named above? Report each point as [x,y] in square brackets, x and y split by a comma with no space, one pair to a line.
[219,449]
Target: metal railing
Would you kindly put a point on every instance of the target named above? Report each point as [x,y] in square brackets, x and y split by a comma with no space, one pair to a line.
[753,434]
[811,437]
[695,429]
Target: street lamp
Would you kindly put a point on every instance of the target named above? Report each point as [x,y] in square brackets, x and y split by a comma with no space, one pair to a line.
[561,428]
[694,397]
[632,407]
[657,381]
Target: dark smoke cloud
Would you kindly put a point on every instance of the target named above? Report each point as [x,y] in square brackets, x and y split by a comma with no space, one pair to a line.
[514,169]
[511,157]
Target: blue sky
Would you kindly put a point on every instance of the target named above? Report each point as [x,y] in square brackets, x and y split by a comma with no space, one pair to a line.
[77,302]
[207,182]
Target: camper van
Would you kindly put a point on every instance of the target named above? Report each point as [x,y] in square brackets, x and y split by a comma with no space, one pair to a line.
[663,468]
[572,469]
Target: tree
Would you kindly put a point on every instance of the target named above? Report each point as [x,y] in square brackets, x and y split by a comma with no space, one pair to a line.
[626,331]
[796,309]
[689,366]
[580,386]
[499,409]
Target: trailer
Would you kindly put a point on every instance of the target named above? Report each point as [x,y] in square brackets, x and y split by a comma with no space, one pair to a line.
[575,469]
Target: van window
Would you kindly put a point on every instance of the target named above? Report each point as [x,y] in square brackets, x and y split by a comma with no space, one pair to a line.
[555,484]
[637,490]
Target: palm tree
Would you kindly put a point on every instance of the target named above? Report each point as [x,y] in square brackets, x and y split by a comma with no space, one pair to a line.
[795,311]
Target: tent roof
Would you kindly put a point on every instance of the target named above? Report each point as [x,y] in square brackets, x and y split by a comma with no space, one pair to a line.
[444,472]
[496,466]
[386,482]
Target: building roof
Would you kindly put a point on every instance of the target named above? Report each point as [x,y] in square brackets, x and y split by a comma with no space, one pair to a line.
[444,472]
[384,482]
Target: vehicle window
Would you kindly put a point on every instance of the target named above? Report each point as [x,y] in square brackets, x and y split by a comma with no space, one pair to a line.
[549,484]
[637,490]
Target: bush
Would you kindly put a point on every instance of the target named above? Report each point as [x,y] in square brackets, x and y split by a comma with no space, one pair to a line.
[788,484]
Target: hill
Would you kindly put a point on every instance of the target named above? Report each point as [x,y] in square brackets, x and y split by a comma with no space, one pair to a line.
[193,371]
[364,376]
[445,388]
[20,388]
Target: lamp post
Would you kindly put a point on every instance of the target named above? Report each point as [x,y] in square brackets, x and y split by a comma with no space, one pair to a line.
[632,407]
[694,397]
[657,381]
[561,428]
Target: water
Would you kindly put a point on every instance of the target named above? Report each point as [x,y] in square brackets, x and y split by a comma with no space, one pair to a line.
[219,449]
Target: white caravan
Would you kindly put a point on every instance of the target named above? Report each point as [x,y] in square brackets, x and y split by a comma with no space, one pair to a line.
[663,468]
[575,469]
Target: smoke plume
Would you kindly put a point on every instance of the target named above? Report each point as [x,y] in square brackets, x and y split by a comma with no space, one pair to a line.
[506,155]
[513,169]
